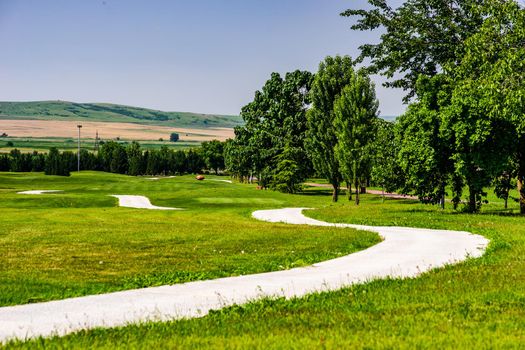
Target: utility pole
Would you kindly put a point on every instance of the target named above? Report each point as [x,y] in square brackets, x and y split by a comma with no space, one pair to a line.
[78,152]
[96,141]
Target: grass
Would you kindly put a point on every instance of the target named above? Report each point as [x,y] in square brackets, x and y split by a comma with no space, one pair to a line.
[63,110]
[476,304]
[79,242]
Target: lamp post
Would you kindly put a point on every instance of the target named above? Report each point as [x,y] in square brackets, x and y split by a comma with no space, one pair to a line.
[78,152]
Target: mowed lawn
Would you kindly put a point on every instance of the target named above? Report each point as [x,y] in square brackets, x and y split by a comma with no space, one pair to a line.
[79,242]
[476,304]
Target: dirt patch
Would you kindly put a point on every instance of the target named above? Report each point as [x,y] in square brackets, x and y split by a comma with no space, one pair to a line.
[108,131]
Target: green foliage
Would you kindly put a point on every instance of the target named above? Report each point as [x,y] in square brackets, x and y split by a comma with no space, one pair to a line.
[274,122]
[56,164]
[386,171]
[490,83]
[333,75]
[425,143]
[213,154]
[355,123]
[174,137]
[417,38]
[289,174]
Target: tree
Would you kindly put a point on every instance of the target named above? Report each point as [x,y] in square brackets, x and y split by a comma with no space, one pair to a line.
[4,162]
[274,121]
[386,171]
[16,162]
[178,162]
[491,80]
[425,143]
[418,38]
[333,75]
[174,137]
[213,154]
[502,186]
[355,123]
[288,176]
[134,154]
[194,161]
[119,160]
[56,164]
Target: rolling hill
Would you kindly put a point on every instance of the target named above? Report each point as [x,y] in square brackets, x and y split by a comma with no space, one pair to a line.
[105,112]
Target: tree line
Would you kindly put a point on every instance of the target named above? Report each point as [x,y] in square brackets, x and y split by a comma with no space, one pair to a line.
[461,65]
[120,158]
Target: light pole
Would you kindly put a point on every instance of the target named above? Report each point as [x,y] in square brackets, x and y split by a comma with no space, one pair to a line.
[78,152]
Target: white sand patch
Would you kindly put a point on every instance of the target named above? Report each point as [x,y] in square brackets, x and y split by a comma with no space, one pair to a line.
[139,202]
[39,191]
[405,252]
[158,178]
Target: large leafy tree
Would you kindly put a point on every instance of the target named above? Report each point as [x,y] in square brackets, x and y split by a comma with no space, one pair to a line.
[418,37]
[213,154]
[333,75]
[490,83]
[425,146]
[275,121]
[355,124]
[386,171]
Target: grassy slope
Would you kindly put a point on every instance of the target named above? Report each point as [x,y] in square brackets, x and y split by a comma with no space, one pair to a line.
[63,110]
[476,304]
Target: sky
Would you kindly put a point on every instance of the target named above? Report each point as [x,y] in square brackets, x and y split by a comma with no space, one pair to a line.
[205,56]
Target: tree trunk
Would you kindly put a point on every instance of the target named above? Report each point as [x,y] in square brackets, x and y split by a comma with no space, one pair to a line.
[521,190]
[349,190]
[335,193]
[442,201]
[506,202]
[472,207]
[382,193]
[356,192]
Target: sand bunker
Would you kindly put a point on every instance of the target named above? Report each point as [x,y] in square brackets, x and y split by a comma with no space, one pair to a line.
[139,202]
[39,191]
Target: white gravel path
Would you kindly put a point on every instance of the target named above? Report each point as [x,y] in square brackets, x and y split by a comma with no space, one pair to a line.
[39,191]
[405,252]
[227,181]
[139,202]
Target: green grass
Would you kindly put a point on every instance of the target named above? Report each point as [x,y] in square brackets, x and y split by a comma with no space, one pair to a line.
[476,304]
[63,110]
[79,242]
[30,144]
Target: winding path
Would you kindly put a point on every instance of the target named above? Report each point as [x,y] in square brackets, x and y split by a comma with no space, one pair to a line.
[404,252]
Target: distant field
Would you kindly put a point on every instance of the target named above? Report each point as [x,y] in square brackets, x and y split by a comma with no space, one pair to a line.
[107,130]
[105,112]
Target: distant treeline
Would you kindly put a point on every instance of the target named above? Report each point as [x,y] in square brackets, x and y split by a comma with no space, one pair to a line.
[114,157]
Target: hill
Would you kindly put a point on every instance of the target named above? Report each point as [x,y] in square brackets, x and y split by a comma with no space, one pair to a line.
[106,112]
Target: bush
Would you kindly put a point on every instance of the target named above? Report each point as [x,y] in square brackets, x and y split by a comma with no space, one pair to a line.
[174,137]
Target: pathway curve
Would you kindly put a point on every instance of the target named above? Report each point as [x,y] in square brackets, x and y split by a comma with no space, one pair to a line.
[404,252]
[139,202]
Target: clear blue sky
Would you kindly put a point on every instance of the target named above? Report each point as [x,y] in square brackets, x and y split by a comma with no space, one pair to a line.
[204,56]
